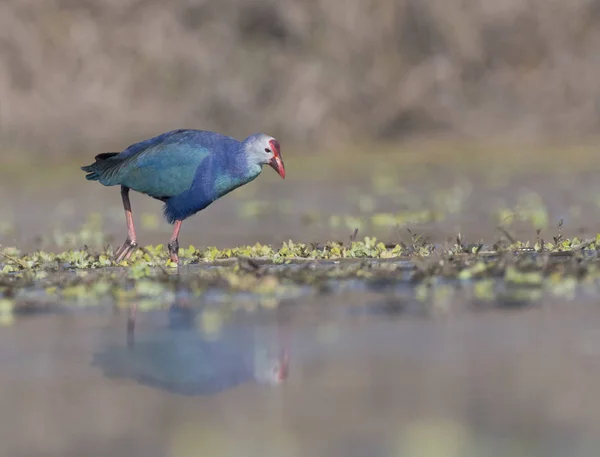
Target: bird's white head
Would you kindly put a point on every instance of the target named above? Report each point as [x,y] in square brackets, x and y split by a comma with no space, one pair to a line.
[265,150]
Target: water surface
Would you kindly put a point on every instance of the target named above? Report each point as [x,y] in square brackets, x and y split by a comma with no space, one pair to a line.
[518,382]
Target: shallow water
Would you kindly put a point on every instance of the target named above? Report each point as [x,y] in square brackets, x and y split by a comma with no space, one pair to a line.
[377,367]
[501,383]
[436,191]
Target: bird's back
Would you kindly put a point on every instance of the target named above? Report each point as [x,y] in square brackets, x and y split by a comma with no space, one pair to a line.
[163,166]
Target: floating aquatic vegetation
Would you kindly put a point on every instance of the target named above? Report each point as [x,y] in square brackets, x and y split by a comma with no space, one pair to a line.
[507,273]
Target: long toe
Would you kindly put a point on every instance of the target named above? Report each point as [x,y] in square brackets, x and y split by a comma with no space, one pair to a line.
[123,254]
[129,252]
[125,251]
[123,247]
[120,255]
[119,251]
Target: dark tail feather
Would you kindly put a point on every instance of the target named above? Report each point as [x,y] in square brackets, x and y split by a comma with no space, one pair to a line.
[105,155]
[93,173]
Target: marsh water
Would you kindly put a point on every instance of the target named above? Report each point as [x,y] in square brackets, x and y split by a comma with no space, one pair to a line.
[368,372]
[435,190]
[512,383]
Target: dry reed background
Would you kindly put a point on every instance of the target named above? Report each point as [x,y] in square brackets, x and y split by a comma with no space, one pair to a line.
[76,73]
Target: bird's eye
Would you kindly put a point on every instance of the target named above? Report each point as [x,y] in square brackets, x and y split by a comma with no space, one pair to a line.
[267,150]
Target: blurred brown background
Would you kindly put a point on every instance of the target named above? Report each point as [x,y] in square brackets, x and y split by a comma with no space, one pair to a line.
[83,74]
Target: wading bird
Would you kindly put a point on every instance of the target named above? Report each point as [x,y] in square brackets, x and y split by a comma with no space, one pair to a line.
[187,170]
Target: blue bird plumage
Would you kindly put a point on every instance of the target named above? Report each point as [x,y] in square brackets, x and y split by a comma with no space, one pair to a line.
[186,169]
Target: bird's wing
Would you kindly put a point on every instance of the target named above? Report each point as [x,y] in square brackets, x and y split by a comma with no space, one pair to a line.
[164,170]
[201,138]
[139,147]
[163,166]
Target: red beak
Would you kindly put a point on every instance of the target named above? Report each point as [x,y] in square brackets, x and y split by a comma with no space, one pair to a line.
[277,162]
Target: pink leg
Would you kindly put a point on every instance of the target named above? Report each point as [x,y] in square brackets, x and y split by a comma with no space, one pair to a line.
[174,242]
[127,248]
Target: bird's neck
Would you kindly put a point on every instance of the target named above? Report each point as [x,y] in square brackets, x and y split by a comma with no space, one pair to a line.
[253,170]
[239,167]
[222,174]
[249,162]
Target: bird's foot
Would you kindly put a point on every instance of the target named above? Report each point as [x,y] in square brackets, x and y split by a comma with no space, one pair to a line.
[126,249]
[173,247]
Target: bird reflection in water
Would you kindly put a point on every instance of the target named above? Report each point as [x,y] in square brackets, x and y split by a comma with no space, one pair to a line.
[180,359]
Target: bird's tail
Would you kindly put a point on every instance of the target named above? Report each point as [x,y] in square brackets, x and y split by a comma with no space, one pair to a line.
[96,169]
